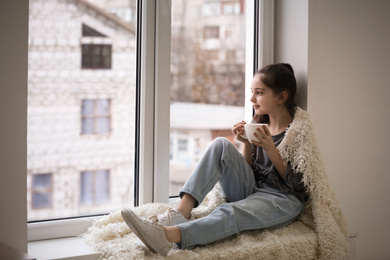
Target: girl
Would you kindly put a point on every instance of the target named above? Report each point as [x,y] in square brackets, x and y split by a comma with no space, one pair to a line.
[261,189]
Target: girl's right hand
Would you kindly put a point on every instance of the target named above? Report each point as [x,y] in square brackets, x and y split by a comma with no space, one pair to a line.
[238,131]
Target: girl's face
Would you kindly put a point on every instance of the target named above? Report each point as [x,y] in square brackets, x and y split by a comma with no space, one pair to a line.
[264,100]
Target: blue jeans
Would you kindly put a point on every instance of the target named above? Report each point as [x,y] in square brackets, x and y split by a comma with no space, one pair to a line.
[249,207]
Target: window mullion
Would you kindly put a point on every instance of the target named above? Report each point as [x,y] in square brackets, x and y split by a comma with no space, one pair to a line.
[146,104]
[162,100]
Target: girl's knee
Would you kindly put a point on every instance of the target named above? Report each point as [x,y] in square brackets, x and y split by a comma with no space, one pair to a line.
[222,142]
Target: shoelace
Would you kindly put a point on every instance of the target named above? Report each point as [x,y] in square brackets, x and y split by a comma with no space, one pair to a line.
[162,217]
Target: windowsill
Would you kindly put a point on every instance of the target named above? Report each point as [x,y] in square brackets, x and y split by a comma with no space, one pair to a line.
[62,248]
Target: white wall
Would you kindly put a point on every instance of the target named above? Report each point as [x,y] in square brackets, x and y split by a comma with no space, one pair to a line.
[348,99]
[348,70]
[291,35]
[13,120]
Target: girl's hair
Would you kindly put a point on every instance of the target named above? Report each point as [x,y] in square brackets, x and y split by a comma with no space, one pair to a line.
[279,77]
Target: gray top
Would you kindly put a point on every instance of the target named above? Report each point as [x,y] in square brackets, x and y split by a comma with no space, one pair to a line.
[265,172]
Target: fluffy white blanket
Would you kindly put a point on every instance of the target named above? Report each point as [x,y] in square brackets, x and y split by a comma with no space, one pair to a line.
[320,233]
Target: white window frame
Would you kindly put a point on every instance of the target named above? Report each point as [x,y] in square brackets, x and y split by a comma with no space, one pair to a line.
[155,90]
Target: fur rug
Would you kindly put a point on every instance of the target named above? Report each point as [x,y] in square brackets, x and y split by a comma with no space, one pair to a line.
[320,233]
[113,238]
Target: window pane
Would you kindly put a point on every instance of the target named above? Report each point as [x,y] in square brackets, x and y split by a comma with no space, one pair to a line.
[41,191]
[41,181]
[77,93]
[102,183]
[88,107]
[86,188]
[88,125]
[102,125]
[103,106]
[208,79]
[41,200]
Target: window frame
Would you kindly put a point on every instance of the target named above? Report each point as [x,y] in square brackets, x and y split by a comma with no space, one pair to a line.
[153,81]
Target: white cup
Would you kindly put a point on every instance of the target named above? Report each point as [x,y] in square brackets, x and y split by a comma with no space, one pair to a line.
[249,130]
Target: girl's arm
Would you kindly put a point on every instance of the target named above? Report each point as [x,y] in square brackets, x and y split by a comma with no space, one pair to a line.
[247,152]
[269,147]
[238,131]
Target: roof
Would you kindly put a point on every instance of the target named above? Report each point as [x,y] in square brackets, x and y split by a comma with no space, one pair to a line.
[204,116]
[125,25]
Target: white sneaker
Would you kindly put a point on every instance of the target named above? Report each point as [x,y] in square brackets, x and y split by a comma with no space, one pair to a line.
[171,217]
[151,234]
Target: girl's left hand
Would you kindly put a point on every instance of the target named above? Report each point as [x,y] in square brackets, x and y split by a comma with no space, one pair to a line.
[264,135]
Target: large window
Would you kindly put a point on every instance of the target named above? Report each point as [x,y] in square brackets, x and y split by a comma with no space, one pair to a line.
[105,135]
[81,99]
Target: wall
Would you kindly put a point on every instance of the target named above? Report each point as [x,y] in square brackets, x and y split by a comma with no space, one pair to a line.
[13,118]
[291,34]
[348,92]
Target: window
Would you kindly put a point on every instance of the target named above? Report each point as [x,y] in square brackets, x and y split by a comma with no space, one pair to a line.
[210,32]
[42,186]
[94,187]
[212,8]
[232,7]
[58,85]
[77,95]
[96,56]
[95,116]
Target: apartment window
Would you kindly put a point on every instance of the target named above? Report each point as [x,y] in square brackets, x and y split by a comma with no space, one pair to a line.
[212,8]
[230,8]
[59,108]
[96,56]
[42,187]
[95,116]
[182,145]
[210,32]
[94,187]
[95,53]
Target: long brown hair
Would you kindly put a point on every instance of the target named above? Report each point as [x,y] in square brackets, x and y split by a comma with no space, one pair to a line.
[278,77]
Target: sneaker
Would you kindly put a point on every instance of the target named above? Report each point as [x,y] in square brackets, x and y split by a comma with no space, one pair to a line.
[171,217]
[151,234]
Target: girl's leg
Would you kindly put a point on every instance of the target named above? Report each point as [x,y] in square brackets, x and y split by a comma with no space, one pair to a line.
[224,163]
[267,208]
[186,205]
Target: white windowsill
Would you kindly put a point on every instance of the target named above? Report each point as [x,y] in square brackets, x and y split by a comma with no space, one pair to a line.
[70,248]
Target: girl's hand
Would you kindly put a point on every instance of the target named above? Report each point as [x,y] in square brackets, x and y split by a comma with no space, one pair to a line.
[238,131]
[264,135]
